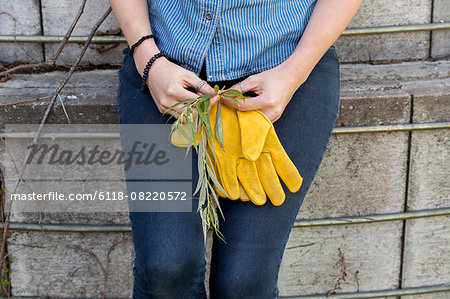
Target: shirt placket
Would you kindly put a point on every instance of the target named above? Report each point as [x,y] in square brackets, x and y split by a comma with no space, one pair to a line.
[203,37]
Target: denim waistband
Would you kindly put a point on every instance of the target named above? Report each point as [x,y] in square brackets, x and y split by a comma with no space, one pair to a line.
[227,84]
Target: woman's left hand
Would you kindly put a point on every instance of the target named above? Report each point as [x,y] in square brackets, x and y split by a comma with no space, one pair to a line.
[274,88]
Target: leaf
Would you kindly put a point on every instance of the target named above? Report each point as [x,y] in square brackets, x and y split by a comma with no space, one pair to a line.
[216,198]
[233,92]
[205,105]
[201,169]
[218,127]
[233,99]
[216,89]
[187,151]
[179,103]
[215,181]
[205,118]
[184,133]
[208,199]
[191,127]
[202,196]
[205,97]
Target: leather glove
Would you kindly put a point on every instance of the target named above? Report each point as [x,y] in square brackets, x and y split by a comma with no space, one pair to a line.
[261,146]
[253,158]
[230,170]
[179,140]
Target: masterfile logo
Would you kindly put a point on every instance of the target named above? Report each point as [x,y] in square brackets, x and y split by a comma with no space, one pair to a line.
[97,168]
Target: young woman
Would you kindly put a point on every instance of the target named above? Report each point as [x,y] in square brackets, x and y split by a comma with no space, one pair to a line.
[278,51]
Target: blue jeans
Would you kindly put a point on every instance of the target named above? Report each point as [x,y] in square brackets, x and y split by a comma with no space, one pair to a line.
[169,251]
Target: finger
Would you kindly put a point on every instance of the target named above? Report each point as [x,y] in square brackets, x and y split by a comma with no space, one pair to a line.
[250,86]
[269,179]
[244,196]
[206,88]
[193,81]
[247,85]
[184,94]
[248,177]
[179,95]
[228,177]
[253,129]
[248,104]
[254,103]
[270,115]
[214,100]
[174,113]
[230,103]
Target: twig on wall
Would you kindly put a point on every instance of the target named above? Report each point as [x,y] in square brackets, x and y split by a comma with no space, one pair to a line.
[52,60]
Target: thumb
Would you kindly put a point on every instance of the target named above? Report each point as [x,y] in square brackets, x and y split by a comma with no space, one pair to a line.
[213,101]
[254,129]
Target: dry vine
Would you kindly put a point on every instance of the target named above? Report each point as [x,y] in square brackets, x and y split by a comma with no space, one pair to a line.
[57,92]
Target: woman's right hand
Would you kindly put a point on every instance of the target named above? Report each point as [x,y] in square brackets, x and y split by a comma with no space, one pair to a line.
[168,82]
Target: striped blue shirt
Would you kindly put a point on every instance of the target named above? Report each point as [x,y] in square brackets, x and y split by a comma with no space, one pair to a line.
[234,38]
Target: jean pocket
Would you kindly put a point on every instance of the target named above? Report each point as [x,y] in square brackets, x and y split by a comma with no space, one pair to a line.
[128,73]
[333,51]
[126,50]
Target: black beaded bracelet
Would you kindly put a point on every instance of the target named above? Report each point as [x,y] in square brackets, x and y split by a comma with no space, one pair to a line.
[147,68]
[133,47]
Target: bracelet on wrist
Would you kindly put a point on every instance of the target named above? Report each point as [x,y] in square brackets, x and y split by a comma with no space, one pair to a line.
[147,68]
[136,44]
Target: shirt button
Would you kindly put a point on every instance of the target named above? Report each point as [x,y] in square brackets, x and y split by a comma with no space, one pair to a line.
[208,16]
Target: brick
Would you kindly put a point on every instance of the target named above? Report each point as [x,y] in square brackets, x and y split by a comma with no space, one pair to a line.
[429,183]
[426,257]
[43,269]
[440,39]
[360,174]
[317,259]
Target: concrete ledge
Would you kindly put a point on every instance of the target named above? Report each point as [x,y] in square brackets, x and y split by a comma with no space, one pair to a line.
[371,94]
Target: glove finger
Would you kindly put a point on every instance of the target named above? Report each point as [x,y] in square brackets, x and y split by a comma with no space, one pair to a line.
[244,196]
[178,138]
[218,171]
[253,128]
[228,177]
[269,179]
[283,164]
[220,193]
[248,177]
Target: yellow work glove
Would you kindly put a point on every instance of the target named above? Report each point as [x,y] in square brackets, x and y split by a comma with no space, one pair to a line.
[226,161]
[229,170]
[262,148]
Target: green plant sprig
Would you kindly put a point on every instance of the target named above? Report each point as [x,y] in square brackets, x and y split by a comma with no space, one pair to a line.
[198,133]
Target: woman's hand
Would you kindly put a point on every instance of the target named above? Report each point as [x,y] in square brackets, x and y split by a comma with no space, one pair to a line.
[168,82]
[274,87]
